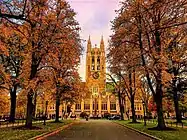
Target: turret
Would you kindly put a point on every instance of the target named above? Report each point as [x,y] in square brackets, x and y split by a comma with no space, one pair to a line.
[89,45]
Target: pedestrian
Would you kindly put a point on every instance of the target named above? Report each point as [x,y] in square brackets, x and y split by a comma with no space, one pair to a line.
[86,118]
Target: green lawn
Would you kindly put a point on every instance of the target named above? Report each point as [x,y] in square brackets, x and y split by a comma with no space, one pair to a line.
[179,134]
[17,122]
[169,122]
[20,134]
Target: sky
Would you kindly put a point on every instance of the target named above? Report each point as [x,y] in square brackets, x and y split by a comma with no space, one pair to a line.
[94,17]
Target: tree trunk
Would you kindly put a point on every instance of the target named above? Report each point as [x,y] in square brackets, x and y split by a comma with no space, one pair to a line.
[124,106]
[34,66]
[159,93]
[34,105]
[131,98]
[176,99]
[146,109]
[121,105]
[133,110]
[13,104]
[29,110]
[177,110]
[158,99]
[57,107]
[161,123]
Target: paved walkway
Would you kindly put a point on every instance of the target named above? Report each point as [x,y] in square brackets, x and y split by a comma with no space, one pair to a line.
[97,130]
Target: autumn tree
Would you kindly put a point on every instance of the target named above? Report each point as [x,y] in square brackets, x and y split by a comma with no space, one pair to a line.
[15,10]
[177,66]
[116,87]
[65,68]
[64,52]
[145,25]
[13,64]
[144,93]
[46,25]
[124,64]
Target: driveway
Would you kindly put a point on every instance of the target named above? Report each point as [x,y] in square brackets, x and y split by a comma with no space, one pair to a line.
[97,130]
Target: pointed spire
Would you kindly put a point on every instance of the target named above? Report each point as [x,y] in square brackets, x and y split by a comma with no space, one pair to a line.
[102,42]
[89,40]
[89,45]
[102,45]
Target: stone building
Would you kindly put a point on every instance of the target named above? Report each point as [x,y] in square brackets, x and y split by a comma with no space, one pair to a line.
[100,100]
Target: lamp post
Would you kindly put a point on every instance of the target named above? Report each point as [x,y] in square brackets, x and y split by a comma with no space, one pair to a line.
[143,102]
[45,116]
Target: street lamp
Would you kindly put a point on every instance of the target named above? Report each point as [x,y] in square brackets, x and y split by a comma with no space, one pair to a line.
[143,102]
[45,116]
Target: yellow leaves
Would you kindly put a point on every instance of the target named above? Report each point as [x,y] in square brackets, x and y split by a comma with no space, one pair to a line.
[4,103]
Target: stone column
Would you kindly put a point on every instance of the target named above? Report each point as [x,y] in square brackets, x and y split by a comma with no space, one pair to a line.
[99,105]
[73,108]
[82,105]
[108,104]
[91,107]
[117,105]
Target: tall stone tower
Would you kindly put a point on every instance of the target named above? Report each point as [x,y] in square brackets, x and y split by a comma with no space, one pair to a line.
[96,73]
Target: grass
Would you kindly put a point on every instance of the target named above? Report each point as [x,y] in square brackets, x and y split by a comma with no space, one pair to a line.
[178,134]
[17,122]
[25,134]
[169,122]
[174,121]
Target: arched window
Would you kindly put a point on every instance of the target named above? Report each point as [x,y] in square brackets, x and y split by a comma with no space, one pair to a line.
[98,60]
[98,63]
[104,105]
[78,106]
[112,105]
[93,63]
[93,60]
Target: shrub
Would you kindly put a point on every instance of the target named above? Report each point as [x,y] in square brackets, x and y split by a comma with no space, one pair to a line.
[106,115]
[83,114]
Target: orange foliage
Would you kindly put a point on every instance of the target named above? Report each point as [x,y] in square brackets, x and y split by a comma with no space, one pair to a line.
[4,103]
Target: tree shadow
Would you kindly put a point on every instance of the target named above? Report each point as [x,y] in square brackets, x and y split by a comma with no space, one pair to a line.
[134,122]
[165,129]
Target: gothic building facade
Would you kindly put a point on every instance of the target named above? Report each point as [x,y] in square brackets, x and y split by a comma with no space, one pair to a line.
[100,100]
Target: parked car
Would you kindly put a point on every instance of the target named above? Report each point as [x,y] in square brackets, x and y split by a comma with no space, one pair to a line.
[73,116]
[184,118]
[114,117]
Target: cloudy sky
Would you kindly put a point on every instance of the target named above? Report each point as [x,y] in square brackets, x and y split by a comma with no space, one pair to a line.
[94,17]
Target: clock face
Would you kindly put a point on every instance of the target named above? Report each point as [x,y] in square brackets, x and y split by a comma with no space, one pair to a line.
[95,75]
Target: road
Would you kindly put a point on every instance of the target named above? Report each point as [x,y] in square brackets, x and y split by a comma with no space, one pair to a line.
[97,130]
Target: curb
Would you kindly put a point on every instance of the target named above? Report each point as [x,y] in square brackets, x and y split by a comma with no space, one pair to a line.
[47,134]
[138,131]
